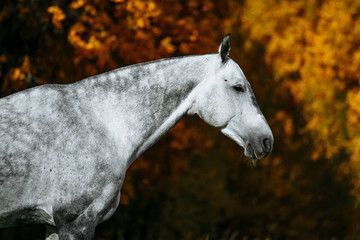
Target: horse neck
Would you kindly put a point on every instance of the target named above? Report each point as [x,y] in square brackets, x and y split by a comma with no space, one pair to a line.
[140,103]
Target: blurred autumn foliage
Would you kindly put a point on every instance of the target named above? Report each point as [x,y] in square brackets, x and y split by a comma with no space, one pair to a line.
[302,58]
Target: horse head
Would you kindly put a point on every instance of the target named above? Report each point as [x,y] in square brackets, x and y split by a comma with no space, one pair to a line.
[226,101]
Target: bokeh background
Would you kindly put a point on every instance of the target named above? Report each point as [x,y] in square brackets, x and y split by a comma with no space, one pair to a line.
[302,58]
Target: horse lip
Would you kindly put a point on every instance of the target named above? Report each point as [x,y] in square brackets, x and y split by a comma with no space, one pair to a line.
[252,151]
[255,155]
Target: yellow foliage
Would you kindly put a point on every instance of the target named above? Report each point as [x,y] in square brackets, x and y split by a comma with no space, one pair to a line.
[286,121]
[166,43]
[353,121]
[141,13]
[77,4]
[17,75]
[26,65]
[58,16]
[353,116]
[283,125]
[313,49]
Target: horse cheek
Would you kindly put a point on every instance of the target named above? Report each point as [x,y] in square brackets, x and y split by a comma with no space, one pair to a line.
[221,113]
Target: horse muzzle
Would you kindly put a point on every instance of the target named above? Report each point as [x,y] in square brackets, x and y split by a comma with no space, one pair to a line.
[260,148]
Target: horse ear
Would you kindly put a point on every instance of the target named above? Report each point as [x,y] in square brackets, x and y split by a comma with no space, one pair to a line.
[224,48]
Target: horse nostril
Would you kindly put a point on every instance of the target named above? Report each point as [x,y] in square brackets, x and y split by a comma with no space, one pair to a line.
[267,145]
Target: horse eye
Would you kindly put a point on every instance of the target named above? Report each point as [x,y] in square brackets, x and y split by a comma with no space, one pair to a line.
[239,88]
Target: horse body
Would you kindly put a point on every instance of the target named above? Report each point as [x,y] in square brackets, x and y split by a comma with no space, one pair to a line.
[65,149]
[52,157]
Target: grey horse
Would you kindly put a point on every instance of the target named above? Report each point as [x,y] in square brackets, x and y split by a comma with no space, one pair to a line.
[65,149]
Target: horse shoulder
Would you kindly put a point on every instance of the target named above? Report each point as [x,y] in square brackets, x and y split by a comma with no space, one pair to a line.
[52,147]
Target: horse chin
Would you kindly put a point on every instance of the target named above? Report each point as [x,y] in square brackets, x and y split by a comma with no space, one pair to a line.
[249,152]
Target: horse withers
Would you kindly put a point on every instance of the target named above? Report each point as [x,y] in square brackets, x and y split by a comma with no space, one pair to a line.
[65,149]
